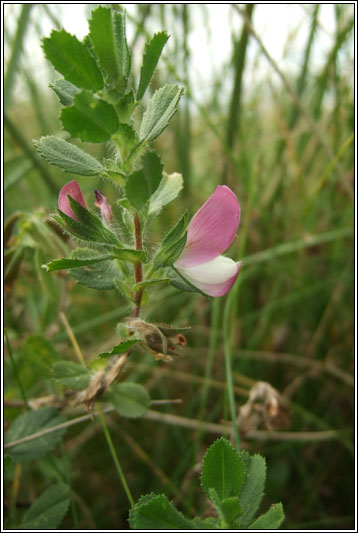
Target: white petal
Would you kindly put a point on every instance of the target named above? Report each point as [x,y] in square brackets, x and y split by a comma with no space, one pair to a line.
[218,270]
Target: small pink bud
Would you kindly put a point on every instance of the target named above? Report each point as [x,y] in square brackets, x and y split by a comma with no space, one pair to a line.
[102,203]
[70,189]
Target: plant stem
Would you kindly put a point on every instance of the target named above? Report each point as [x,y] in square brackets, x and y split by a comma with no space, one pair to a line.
[138,270]
[228,370]
[114,455]
[16,374]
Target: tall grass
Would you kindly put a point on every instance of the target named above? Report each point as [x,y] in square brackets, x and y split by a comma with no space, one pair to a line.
[285,146]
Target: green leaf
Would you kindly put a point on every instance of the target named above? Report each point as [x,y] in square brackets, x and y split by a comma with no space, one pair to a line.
[65,90]
[61,264]
[71,375]
[152,53]
[30,423]
[39,354]
[148,282]
[67,156]
[118,349]
[130,255]
[108,36]
[207,523]
[129,399]
[182,284]
[222,470]
[125,139]
[88,227]
[125,106]
[153,170]
[161,108]
[253,489]
[48,511]
[73,60]
[101,276]
[173,244]
[155,511]
[231,509]
[270,520]
[90,118]
[168,190]
[137,189]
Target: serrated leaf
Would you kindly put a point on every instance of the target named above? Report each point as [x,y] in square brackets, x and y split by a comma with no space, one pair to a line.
[101,276]
[118,349]
[30,423]
[88,227]
[270,520]
[155,511]
[253,489]
[231,509]
[108,36]
[73,60]
[161,109]
[71,375]
[62,264]
[48,511]
[137,190]
[153,170]
[125,139]
[207,523]
[222,470]
[167,191]
[90,118]
[129,399]
[152,53]
[67,156]
[65,90]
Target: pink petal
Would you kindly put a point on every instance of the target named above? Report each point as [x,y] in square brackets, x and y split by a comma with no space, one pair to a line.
[102,203]
[214,278]
[70,189]
[212,229]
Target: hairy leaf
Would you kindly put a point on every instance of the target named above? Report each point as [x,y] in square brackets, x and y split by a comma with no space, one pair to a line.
[152,53]
[65,90]
[161,109]
[48,511]
[253,489]
[270,520]
[155,511]
[118,349]
[167,191]
[89,118]
[67,156]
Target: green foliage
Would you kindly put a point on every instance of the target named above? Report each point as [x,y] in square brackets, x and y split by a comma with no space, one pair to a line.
[173,244]
[88,227]
[222,470]
[71,375]
[161,109]
[90,118]
[229,480]
[65,90]
[152,53]
[39,354]
[100,275]
[155,511]
[168,189]
[30,423]
[118,349]
[108,38]
[48,511]
[129,399]
[73,60]
[67,156]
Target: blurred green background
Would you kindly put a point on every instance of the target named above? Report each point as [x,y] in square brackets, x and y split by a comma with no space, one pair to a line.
[268,110]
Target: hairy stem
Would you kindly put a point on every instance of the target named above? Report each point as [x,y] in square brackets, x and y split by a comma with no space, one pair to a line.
[138,270]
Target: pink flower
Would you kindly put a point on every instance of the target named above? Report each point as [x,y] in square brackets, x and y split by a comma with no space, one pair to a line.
[102,203]
[210,232]
[70,189]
